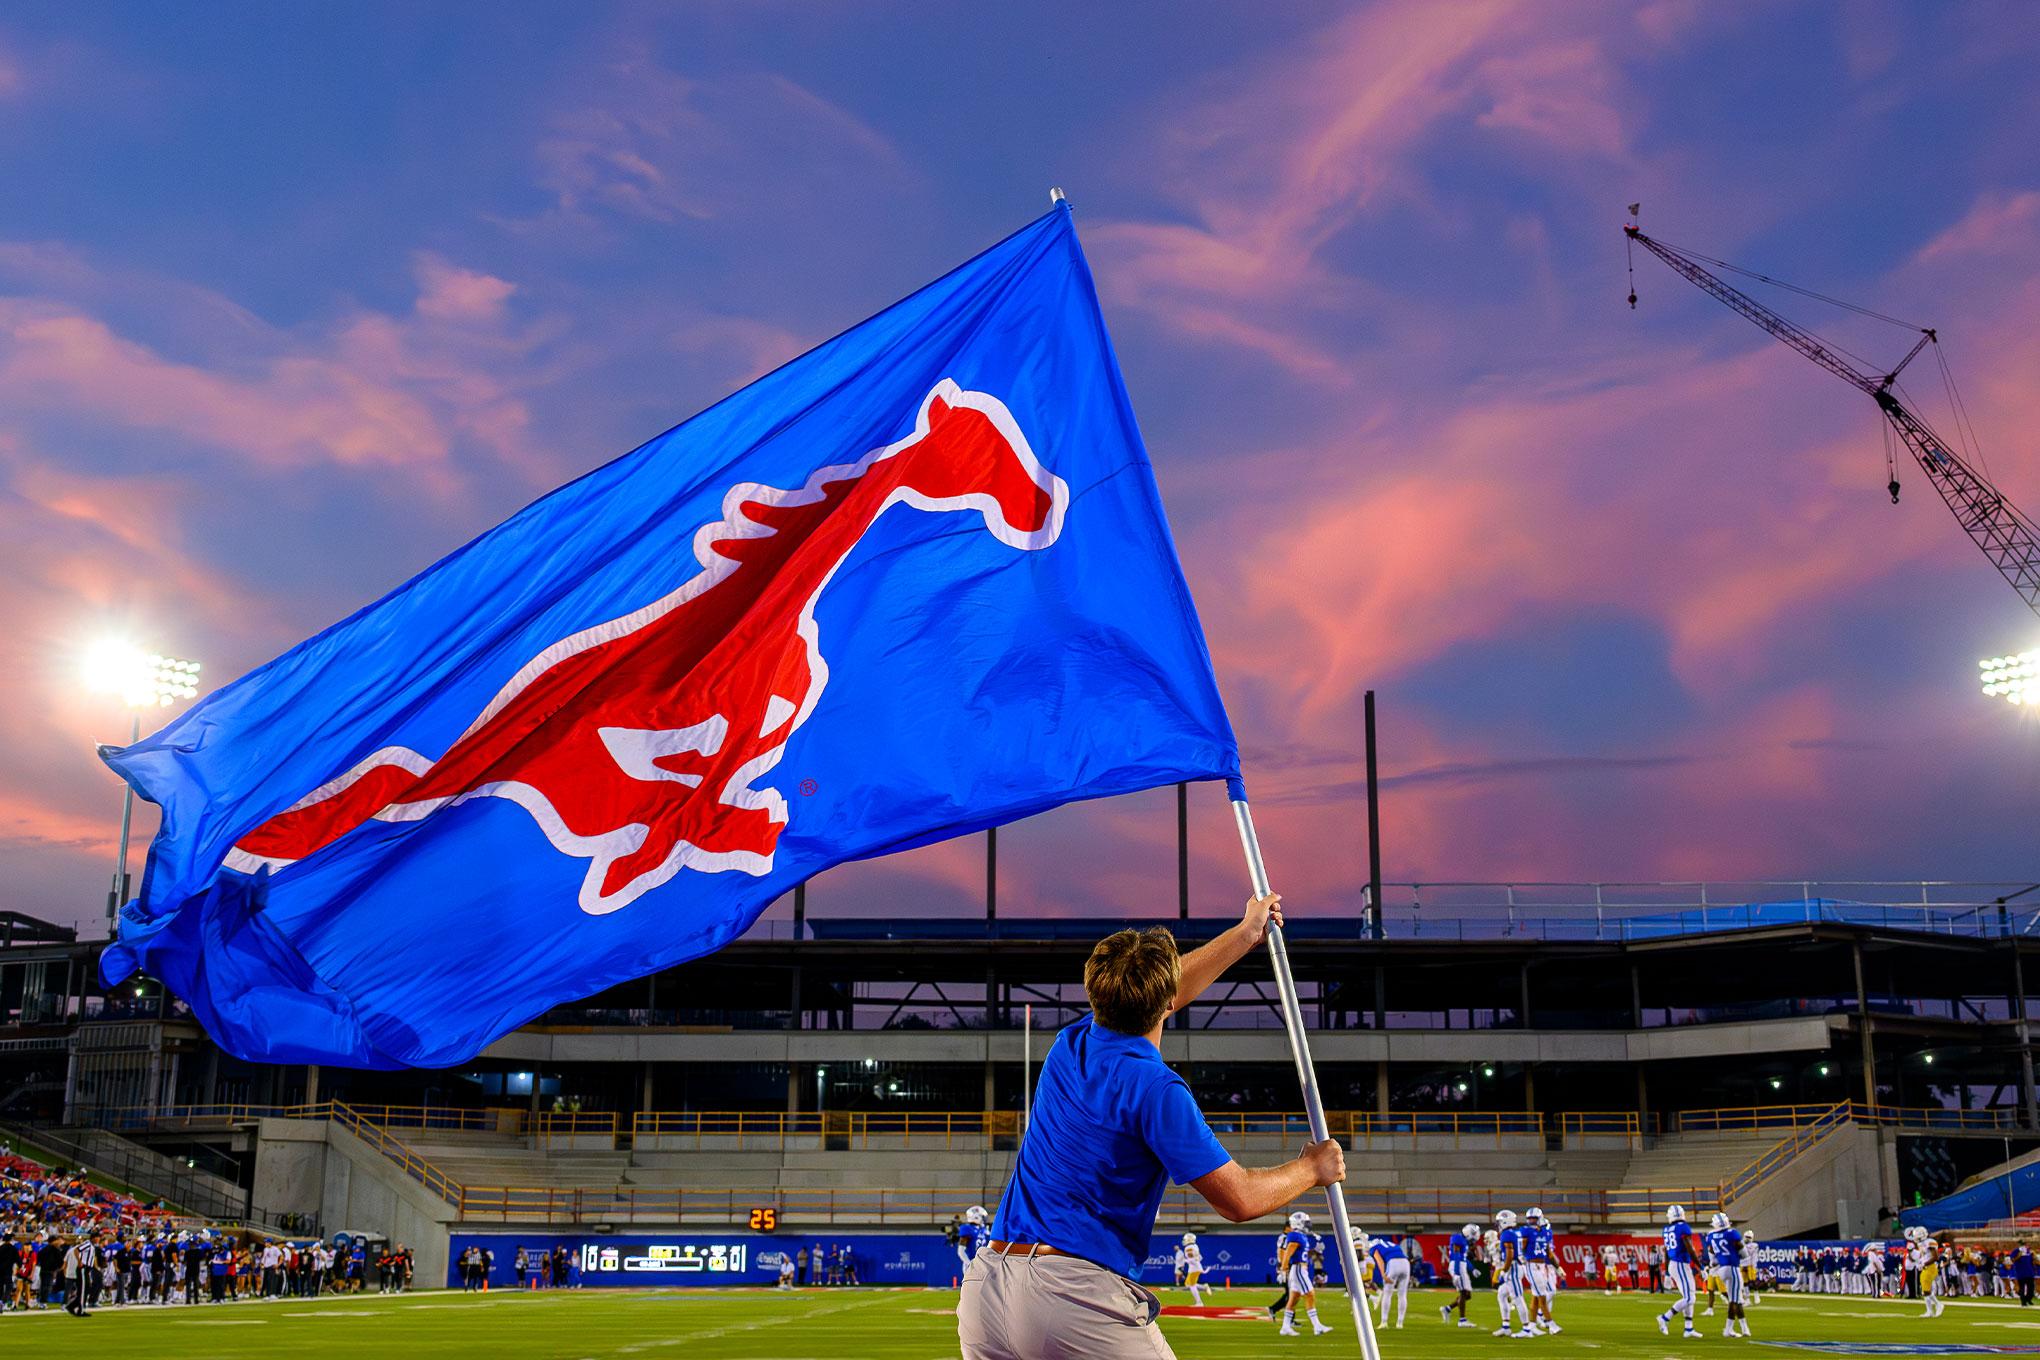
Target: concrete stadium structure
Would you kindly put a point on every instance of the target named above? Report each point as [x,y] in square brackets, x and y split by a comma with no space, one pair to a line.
[1813,1057]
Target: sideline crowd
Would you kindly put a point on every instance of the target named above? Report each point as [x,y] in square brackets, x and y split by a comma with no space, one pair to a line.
[66,1243]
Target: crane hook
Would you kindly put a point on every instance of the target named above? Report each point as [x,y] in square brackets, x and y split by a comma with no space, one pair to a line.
[1629,252]
[1893,489]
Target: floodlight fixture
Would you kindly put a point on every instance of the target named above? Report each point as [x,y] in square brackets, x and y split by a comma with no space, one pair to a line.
[142,679]
[2014,678]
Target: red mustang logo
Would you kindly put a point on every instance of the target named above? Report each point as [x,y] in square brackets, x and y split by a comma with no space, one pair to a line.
[638,744]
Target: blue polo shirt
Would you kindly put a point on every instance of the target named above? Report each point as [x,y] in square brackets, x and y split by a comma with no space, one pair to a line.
[1112,1125]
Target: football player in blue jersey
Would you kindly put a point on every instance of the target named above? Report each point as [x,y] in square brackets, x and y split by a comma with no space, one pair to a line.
[1510,1289]
[1680,1261]
[1541,1269]
[1459,1270]
[1294,1263]
[1390,1265]
[971,1234]
[1724,1253]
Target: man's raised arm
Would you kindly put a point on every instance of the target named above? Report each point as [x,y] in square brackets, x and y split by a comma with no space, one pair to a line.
[1205,964]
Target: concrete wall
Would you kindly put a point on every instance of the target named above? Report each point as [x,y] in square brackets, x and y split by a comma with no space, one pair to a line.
[541,1047]
[354,1188]
[290,1165]
[1852,1163]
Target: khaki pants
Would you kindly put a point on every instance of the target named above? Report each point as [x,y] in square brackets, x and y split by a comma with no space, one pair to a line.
[1019,1307]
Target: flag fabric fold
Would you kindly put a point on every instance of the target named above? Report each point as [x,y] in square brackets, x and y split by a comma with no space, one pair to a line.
[915,583]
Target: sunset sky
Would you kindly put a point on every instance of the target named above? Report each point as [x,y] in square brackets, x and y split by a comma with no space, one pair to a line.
[295,299]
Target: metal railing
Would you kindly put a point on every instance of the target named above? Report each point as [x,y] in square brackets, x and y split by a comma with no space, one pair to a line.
[396,1150]
[1553,911]
[550,1124]
[839,1128]
[1760,1168]
[1629,1124]
[1463,1127]
[734,1207]
[149,1173]
[489,1119]
[860,1129]
[1753,1118]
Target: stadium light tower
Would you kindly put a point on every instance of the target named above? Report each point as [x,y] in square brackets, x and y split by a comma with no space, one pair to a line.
[2013,678]
[140,680]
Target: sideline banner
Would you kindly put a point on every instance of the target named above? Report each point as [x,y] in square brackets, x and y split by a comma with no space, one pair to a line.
[736,1257]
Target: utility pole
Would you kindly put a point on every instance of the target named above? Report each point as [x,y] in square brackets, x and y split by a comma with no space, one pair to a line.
[1373,826]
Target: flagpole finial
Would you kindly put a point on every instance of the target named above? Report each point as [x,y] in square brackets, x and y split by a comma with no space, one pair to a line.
[1055,196]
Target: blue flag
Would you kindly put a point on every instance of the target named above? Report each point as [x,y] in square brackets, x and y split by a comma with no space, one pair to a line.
[913,584]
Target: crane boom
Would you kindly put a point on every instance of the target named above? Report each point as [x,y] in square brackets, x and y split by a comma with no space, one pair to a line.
[2007,536]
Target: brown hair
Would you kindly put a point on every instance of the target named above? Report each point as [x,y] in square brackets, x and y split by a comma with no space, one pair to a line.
[1131,978]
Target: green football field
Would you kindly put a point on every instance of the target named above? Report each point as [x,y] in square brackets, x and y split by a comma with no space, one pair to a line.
[917,1324]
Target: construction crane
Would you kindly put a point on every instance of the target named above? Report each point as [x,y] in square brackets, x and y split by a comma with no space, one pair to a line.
[2007,536]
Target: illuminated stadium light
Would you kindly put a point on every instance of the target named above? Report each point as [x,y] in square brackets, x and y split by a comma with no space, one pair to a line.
[2015,678]
[141,679]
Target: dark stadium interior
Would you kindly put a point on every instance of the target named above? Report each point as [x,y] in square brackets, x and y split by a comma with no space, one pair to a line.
[1940,1008]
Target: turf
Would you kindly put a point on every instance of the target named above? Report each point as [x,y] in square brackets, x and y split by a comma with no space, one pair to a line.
[900,1324]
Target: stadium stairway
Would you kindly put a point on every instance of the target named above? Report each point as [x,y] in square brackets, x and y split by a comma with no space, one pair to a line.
[1706,1160]
[509,1159]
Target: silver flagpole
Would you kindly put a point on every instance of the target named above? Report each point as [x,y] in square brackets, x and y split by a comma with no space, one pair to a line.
[1026,1066]
[1306,1074]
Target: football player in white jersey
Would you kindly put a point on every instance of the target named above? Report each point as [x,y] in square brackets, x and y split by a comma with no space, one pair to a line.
[1923,1254]
[1193,1267]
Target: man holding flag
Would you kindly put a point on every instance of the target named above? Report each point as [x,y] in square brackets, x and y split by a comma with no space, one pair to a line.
[1111,1126]
[913,584]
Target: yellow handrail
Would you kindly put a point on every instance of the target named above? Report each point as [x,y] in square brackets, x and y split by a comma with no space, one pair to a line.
[1752,1118]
